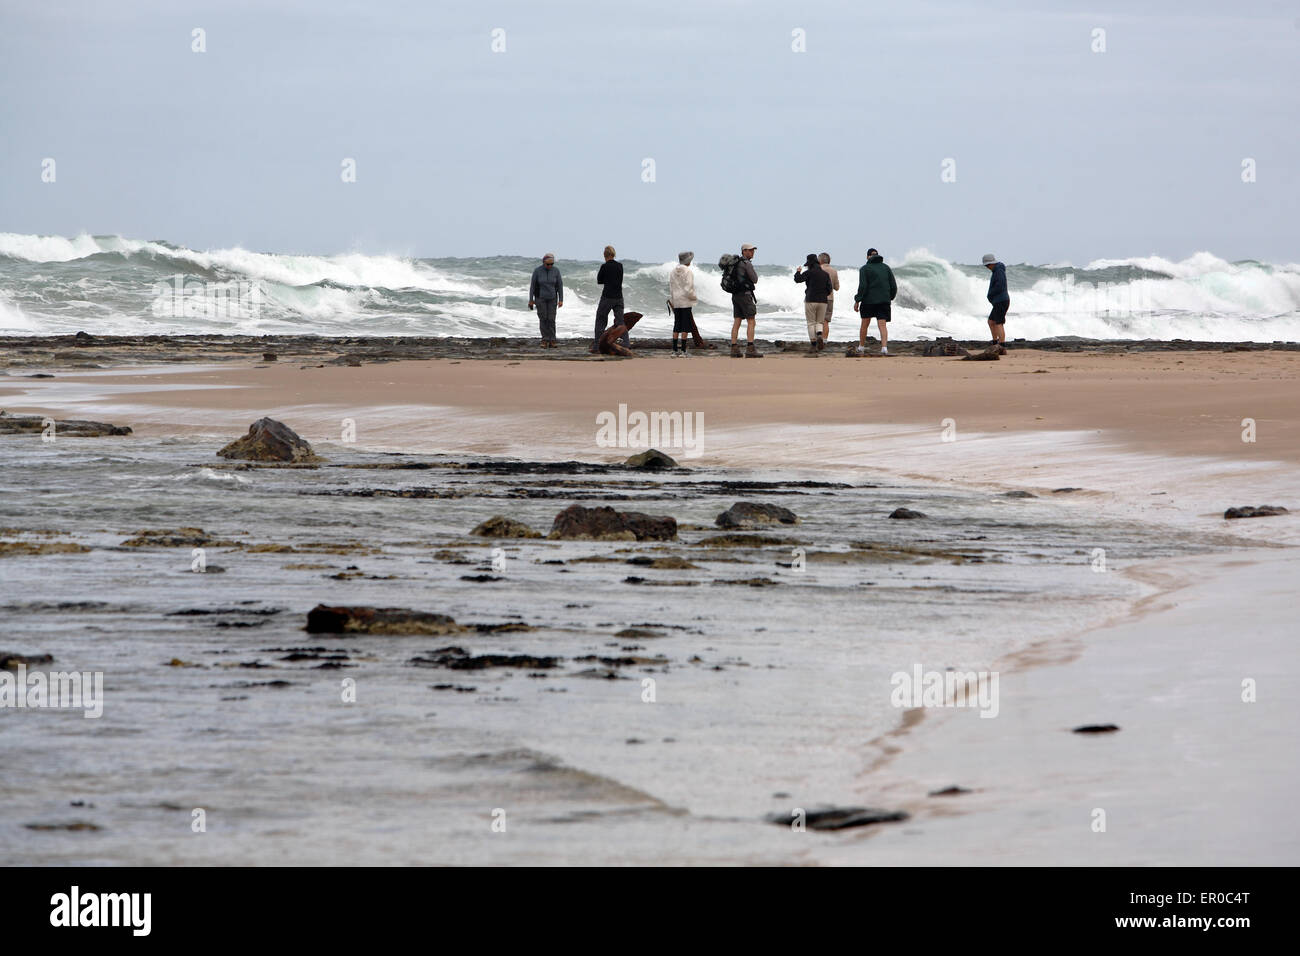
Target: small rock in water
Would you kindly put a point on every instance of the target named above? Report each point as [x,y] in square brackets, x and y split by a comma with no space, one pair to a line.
[606,524]
[458,659]
[839,818]
[10,660]
[906,513]
[1019,494]
[1096,729]
[747,515]
[652,460]
[74,826]
[499,526]
[377,620]
[1064,491]
[1250,511]
[948,792]
[269,440]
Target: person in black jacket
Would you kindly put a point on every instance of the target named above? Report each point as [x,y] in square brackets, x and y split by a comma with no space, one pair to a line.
[818,289]
[999,298]
[610,279]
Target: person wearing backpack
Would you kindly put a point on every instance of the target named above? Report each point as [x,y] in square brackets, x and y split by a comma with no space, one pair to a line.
[817,283]
[739,278]
[876,290]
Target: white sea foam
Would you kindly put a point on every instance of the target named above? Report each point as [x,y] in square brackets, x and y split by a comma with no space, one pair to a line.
[44,289]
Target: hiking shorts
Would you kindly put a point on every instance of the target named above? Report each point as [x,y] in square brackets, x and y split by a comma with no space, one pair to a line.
[683,321]
[999,314]
[876,310]
[743,305]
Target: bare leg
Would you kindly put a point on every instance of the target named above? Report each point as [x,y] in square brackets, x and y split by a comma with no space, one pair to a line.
[884,333]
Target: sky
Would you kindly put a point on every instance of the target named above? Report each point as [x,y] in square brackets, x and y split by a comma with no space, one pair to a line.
[961,128]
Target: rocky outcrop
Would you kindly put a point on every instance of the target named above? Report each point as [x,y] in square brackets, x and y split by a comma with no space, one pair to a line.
[269,440]
[652,460]
[1250,511]
[499,526]
[173,538]
[606,524]
[378,620]
[72,428]
[748,515]
[990,354]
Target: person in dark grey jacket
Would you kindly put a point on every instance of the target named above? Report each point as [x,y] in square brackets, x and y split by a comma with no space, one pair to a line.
[546,293]
[999,298]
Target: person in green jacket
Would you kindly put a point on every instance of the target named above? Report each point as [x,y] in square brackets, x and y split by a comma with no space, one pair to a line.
[876,290]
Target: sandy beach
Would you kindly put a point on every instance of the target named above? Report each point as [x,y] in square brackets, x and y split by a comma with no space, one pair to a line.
[1151,438]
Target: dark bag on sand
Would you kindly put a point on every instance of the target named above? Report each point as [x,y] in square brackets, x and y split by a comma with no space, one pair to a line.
[733,280]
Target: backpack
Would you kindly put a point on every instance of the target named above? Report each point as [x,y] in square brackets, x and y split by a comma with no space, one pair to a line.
[733,280]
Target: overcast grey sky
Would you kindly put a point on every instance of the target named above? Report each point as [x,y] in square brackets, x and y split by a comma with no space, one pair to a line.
[1061,153]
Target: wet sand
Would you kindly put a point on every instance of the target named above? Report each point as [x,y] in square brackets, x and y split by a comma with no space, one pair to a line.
[1168,403]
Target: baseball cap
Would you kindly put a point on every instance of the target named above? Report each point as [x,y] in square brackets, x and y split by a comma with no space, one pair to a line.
[748,245]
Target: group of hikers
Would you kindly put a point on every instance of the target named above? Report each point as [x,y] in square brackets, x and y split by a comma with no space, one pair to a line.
[877,289]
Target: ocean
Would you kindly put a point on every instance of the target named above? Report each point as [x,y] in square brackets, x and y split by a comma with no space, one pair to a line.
[113,285]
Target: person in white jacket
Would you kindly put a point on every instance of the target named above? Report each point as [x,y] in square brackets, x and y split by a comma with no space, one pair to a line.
[681,298]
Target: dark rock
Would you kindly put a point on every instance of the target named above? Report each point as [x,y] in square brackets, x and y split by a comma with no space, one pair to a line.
[1096,729]
[458,659]
[744,541]
[9,660]
[652,460]
[840,818]
[948,792]
[174,538]
[906,513]
[944,345]
[1064,491]
[269,440]
[1250,511]
[606,524]
[480,578]
[1019,494]
[667,563]
[378,620]
[990,354]
[499,526]
[748,515]
[74,826]
[269,357]
[71,428]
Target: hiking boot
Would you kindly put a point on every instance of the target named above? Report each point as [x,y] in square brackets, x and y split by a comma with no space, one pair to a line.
[751,352]
[735,350]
